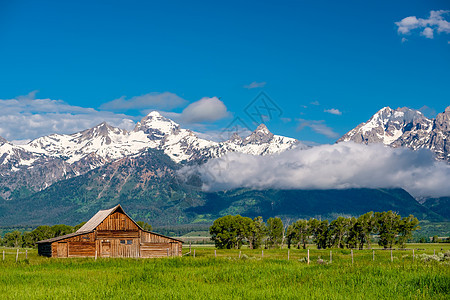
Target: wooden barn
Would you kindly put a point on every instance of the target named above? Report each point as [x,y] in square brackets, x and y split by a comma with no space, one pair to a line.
[111,233]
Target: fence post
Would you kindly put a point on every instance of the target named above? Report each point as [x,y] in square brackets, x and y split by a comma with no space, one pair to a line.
[288,254]
[413,254]
[308,256]
[215,253]
[373,255]
[3,254]
[17,255]
[331,256]
[262,253]
[392,258]
[194,253]
[95,254]
[239,253]
[190,247]
[352,255]
[26,254]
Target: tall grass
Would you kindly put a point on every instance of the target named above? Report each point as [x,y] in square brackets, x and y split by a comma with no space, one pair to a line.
[228,276]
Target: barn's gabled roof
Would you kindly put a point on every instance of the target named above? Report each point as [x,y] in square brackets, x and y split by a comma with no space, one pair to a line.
[98,218]
[62,237]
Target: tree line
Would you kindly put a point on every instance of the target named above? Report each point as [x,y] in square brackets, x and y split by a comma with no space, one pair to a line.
[388,228]
[43,232]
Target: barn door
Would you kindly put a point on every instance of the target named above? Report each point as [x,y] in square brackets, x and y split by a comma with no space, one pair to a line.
[174,248]
[106,248]
[62,250]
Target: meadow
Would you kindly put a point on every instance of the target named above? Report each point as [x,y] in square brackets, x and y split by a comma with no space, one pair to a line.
[233,274]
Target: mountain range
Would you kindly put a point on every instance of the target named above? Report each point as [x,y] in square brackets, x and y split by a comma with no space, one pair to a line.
[67,178]
[405,127]
[49,159]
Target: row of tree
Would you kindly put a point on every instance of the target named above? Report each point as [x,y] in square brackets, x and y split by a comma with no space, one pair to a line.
[29,239]
[43,232]
[388,228]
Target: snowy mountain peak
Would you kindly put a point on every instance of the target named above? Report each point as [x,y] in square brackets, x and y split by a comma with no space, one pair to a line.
[263,129]
[102,130]
[235,138]
[154,114]
[443,121]
[259,136]
[405,127]
[2,141]
[388,125]
[157,126]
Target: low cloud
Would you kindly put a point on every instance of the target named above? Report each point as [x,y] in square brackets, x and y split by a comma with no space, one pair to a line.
[25,117]
[317,126]
[164,100]
[333,111]
[435,23]
[255,85]
[338,166]
[315,103]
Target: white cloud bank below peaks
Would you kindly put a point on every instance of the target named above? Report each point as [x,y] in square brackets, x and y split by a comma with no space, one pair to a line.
[338,166]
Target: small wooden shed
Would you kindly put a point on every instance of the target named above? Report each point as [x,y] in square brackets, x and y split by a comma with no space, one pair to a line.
[111,233]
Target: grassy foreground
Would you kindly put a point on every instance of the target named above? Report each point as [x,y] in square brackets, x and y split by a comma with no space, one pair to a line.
[229,276]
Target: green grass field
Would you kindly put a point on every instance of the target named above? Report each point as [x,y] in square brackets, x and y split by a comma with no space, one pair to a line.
[228,276]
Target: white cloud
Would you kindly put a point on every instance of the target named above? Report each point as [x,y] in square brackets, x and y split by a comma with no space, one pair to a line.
[404,40]
[27,118]
[164,100]
[318,126]
[407,24]
[204,110]
[255,85]
[428,33]
[338,166]
[436,22]
[333,111]
[315,103]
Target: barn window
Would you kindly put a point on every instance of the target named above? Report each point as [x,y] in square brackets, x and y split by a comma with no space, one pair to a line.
[85,238]
[122,242]
[129,242]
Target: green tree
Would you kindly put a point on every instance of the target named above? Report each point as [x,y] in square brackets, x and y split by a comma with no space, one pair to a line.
[28,240]
[301,232]
[229,231]
[258,230]
[365,226]
[405,228]
[338,229]
[275,231]
[13,239]
[387,224]
[43,232]
[144,225]
[61,229]
[320,233]
[353,233]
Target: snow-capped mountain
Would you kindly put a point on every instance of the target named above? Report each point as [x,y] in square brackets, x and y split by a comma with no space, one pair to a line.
[55,157]
[405,127]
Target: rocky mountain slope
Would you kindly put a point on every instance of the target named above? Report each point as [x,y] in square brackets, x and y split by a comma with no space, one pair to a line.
[405,127]
[49,159]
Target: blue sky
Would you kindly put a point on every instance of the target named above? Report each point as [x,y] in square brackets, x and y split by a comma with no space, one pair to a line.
[327,65]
